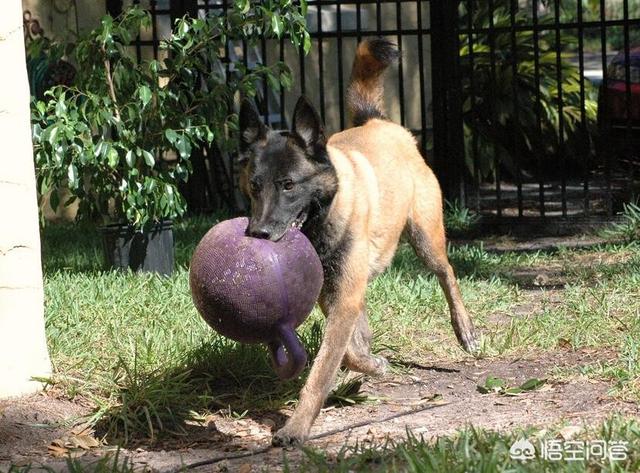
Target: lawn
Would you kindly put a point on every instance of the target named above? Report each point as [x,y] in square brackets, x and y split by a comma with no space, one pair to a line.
[133,350]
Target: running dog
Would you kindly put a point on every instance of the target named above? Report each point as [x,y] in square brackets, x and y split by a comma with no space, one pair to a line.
[353,196]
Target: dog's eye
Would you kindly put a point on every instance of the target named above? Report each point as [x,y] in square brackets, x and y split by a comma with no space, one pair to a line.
[287,185]
[254,186]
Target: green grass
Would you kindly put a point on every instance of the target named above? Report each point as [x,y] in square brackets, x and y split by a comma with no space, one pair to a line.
[110,463]
[475,450]
[134,345]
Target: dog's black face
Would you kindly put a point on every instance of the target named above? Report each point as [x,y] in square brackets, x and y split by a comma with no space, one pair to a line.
[286,174]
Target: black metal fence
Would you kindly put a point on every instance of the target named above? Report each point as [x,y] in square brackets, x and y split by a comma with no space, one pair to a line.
[526,109]
[551,110]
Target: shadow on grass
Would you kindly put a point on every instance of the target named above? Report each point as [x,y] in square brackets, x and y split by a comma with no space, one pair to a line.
[217,375]
[77,248]
[470,261]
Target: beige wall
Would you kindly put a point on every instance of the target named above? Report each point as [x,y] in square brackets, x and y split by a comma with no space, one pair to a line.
[410,63]
[62,19]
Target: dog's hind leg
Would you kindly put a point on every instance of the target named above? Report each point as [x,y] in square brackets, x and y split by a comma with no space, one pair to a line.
[425,231]
[358,356]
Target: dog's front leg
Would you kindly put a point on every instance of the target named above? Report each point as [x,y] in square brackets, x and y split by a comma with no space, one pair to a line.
[342,308]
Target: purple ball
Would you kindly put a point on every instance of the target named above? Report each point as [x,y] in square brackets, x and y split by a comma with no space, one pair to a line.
[257,291]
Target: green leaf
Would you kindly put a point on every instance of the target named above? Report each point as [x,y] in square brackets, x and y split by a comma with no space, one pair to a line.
[51,134]
[61,107]
[72,175]
[54,199]
[276,24]
[532,384]
[112,157]
[492,384]
[243,6]
[97,151]
[144,92]
[307,43]
[148,158]
[58,154]
[130,158]
[171,135]
[183,146]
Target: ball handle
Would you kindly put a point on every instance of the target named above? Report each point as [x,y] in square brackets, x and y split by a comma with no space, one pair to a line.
[290,363]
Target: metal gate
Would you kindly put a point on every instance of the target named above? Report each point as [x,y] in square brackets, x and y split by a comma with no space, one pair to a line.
[551,107]
[526,109]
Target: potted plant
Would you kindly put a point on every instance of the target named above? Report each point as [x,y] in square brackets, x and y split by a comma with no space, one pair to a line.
[120,137]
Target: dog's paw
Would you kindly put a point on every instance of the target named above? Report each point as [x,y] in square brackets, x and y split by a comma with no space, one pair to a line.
[471,344]
[382,367]
[289,436]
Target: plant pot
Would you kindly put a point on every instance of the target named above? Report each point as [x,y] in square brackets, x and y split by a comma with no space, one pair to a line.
[149,251]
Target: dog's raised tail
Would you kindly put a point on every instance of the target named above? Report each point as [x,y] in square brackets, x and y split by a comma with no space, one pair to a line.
[364,94]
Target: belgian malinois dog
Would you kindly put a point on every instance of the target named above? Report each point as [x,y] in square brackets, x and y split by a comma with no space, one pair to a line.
[353,196]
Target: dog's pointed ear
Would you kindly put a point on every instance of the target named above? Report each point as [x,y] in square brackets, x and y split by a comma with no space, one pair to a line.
[251,127]
[307,124]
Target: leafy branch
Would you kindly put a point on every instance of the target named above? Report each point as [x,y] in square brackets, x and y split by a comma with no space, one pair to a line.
[120,138]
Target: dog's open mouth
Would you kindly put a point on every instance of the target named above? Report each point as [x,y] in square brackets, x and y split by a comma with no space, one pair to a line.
[299,220]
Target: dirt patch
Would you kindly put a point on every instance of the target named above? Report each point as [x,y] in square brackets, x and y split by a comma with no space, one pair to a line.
[28,425]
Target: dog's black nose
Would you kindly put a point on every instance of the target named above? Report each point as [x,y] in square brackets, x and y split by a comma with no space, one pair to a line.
[260,233]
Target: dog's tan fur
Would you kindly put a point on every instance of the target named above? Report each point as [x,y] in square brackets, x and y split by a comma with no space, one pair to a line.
[384,189]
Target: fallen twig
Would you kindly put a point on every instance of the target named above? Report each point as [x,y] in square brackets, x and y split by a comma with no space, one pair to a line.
[259,451]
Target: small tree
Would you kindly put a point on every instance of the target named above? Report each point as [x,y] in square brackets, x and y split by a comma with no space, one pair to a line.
[121,137]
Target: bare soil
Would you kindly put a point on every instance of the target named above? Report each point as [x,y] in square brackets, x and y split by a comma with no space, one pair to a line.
[447,390]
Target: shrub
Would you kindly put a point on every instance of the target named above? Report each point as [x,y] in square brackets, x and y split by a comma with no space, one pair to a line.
[121,136]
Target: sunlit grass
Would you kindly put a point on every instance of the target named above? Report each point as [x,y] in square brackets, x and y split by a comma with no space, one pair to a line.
[135,346]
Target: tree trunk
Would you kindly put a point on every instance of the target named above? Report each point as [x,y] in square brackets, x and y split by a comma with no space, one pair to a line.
[23,348]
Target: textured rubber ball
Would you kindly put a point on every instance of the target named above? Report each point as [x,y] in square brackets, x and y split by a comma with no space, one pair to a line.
[257,291]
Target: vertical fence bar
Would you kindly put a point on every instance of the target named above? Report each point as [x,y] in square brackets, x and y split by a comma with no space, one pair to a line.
[265,84]
[514,90]
[423,107]
[321,63]
[447,104]
[138,46]
[474,113]
[627,84]
[561,151]
[282,96]
[359,20]
[400,61]
[538,107]
[113,7]
[586,148]
[303,89]
[340,75]
[154,28]
[492,99]
[583,113]
[604,141]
